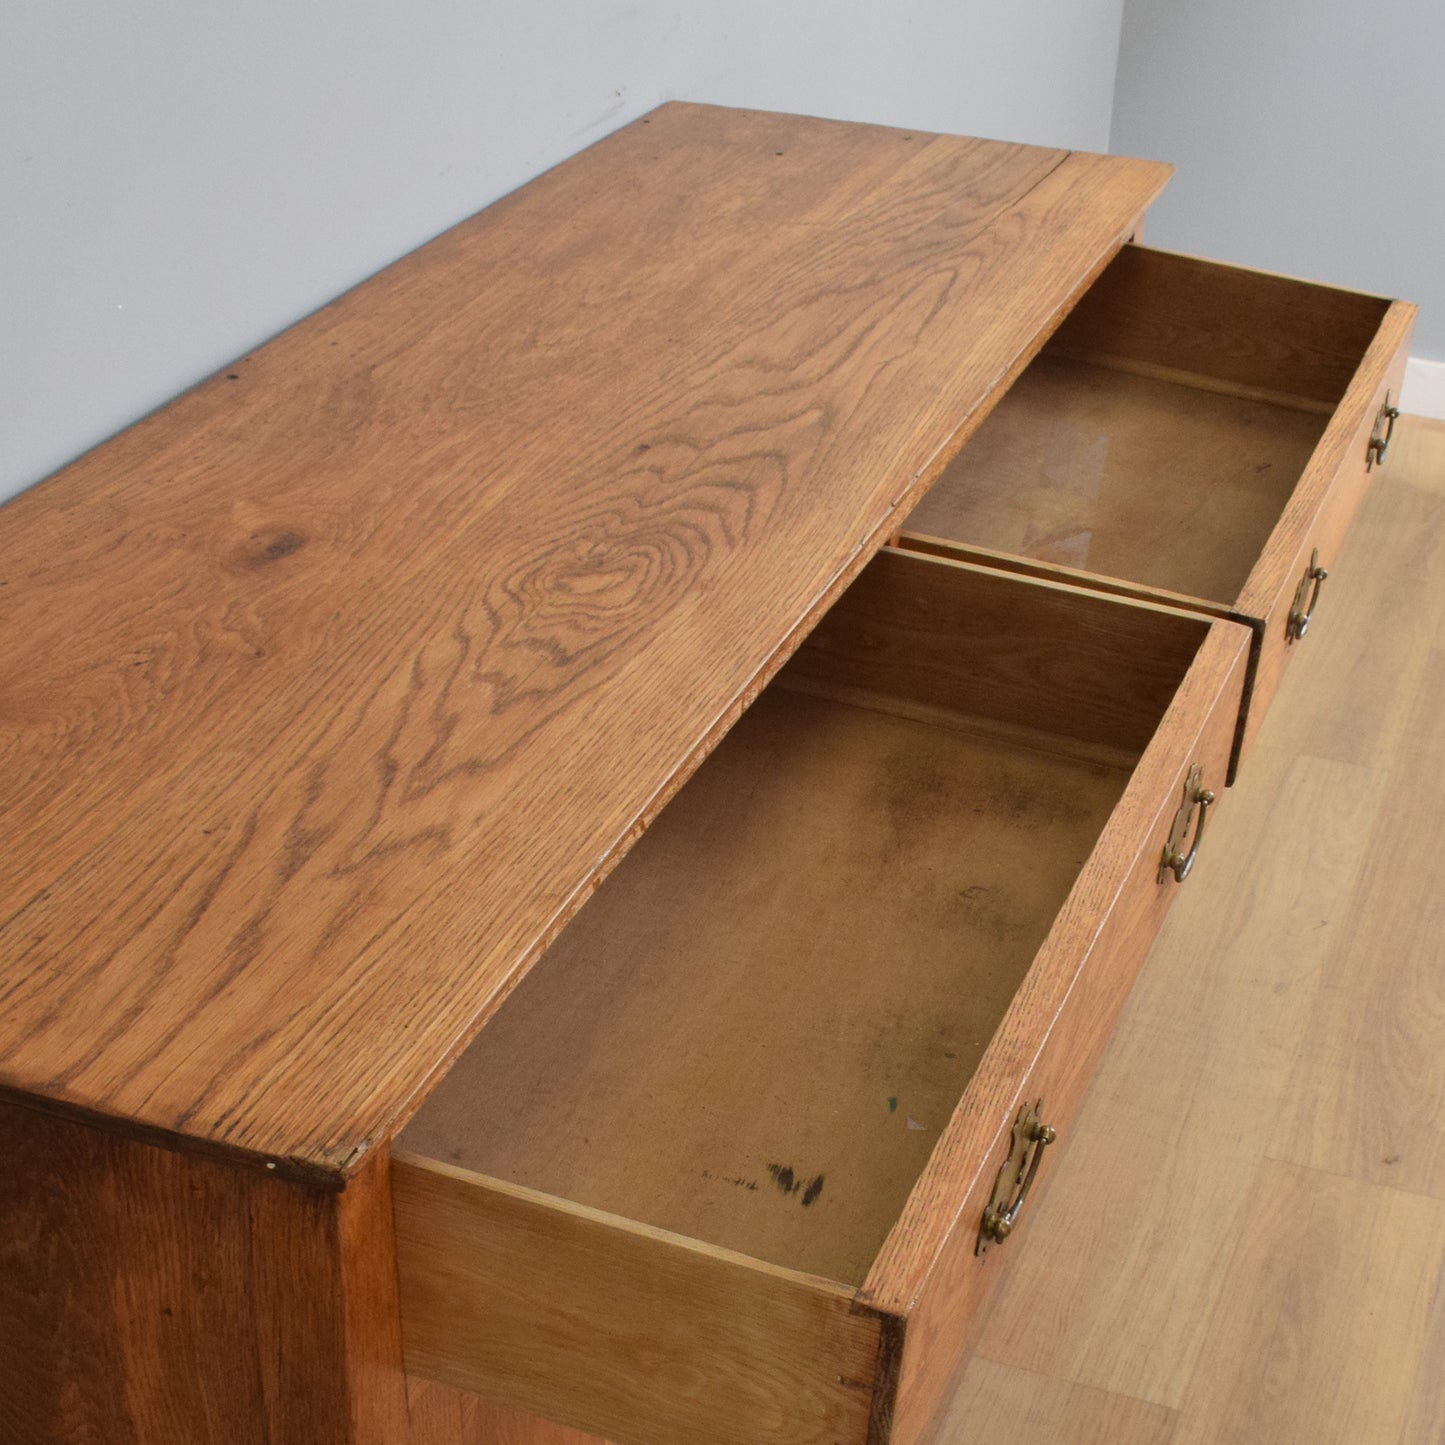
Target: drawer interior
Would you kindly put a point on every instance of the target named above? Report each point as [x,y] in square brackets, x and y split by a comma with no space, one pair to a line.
[755,1031]
[1158,437]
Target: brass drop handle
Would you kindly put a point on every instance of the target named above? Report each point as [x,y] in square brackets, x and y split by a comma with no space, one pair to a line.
[1030,1137]
[1300,614]
[1379,445]
[1176,860]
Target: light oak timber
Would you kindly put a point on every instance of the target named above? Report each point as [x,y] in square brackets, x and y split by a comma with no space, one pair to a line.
[958,640]
[1373,1051]
[1375,1071]
[458,1417]
[1250,330]
[1320,512]
[654,1339]
[295,665]
[1326,1342]
[1425,1418]
[1054,572]
[294,650]
[996,1402]
[1409,1389]
[743,1038]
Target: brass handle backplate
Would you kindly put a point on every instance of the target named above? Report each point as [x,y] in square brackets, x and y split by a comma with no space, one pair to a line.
[1379,445]
[1305,597]
[1176,861]
[1030,1137]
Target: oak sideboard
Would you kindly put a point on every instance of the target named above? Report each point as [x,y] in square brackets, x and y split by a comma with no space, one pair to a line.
[578,822]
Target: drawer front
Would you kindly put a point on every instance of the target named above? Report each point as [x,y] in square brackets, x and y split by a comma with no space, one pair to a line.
[1047,1050]
[1284,599]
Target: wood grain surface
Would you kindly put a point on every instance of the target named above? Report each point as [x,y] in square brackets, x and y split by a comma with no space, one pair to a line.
[1130,842]
[1206,1129]
[1245,1234]
[1355,1104]
[609,1326]
[333,688]
[151,1298]
[1001,1402]
[1224,326]
[755,1031]
[444,1415]
[951,638]
[1361,1259]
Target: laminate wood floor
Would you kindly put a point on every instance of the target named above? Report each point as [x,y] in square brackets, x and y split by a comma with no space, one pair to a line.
[1245,1240]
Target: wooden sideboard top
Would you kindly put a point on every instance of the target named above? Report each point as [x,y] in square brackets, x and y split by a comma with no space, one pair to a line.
[332,688]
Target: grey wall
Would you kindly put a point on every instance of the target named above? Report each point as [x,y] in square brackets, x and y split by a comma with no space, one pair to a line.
[1310,138]
[180,180]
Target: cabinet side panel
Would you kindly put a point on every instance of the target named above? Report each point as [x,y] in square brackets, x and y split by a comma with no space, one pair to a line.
[154,1298]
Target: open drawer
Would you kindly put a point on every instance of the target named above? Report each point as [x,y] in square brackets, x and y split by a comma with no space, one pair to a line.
[1193,433]
[717,1171]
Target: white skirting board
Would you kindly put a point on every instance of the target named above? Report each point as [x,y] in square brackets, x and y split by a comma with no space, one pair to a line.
[1424,391]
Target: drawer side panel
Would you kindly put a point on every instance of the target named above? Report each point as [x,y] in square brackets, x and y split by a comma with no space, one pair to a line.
[623,1331]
